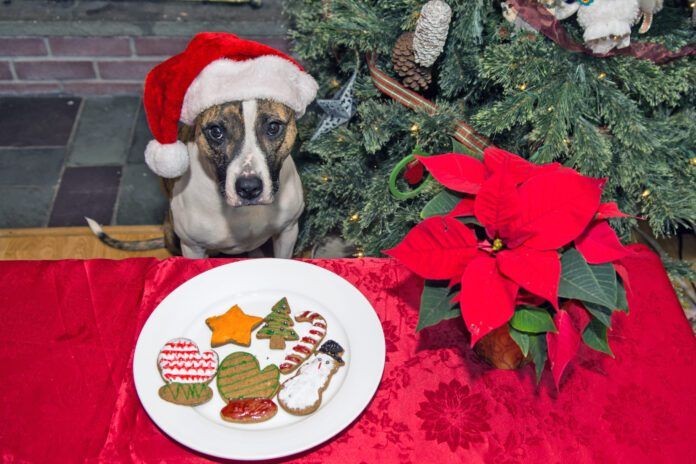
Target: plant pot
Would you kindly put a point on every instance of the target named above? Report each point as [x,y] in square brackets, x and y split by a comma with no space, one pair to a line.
[499,350]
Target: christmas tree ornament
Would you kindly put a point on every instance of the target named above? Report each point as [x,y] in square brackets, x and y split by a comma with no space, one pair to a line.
[431,32]
[647,9]
[563,10]
[607,24]
[215,68]
[338,110]
[413,75]
[513,17]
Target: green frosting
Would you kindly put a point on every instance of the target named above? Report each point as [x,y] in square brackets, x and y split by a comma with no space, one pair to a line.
[279,322]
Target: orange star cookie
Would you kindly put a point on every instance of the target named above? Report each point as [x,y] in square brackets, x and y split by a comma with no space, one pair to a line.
[233,326]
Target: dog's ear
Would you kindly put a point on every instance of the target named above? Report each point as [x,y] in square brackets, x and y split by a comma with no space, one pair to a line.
[186,133]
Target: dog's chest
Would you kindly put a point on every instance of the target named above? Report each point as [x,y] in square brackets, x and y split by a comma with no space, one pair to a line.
[201,217]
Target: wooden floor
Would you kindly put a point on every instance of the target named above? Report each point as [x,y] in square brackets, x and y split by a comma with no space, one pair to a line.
[73,242]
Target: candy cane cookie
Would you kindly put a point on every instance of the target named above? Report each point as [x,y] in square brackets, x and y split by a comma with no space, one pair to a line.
[307,344]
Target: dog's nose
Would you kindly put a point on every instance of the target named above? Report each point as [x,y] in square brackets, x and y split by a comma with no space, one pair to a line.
[248,187]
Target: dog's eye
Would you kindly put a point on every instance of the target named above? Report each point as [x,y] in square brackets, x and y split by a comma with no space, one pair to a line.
[274,128]
[216,133]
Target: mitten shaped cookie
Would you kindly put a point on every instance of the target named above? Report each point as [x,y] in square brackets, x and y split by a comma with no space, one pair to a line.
[187,372]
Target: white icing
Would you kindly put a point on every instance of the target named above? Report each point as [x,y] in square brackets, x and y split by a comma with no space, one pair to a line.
[314,318]
[302,390]
[183,360]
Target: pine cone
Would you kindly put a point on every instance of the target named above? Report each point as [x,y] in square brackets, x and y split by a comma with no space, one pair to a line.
[413,76]
[431,32]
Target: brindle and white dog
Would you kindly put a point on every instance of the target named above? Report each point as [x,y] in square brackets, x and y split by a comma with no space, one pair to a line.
[242,187]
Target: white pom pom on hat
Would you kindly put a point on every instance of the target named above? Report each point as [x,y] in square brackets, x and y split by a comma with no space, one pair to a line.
[215,68]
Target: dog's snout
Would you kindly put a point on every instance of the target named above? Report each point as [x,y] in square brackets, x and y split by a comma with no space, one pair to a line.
[249,187]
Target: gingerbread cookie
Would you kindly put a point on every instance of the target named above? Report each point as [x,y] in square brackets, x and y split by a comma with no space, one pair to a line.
[301,394]
[249,410]
[241,380]
[278,326]
[187,372]
[308,344]
[233,326]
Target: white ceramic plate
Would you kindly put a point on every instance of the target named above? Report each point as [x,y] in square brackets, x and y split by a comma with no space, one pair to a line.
[255,285]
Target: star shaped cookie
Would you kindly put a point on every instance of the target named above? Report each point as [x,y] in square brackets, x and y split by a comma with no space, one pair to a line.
[233,326]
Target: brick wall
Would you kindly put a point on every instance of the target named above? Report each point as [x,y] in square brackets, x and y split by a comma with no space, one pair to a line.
[86,65]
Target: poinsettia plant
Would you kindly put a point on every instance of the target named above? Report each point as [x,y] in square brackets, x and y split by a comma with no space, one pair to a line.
[512,242]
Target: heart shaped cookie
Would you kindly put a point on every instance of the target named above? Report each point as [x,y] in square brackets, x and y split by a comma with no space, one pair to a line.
[240,376]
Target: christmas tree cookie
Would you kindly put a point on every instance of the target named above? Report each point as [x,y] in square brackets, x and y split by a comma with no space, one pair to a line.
[278,326]
[187,372]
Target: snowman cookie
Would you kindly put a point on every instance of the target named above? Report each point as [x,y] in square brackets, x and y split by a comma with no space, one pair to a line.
[301,394]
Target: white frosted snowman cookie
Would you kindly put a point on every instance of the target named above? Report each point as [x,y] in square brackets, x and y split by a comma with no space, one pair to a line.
[301,394]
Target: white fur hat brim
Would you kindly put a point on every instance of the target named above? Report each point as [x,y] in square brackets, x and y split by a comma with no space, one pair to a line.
[266,77]
[168,160]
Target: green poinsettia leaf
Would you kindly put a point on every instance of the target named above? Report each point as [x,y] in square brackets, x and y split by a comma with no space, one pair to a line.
[532,320]
[436,305]
[522,340]
[600,313]
[458,147]
[595,336]
[586,282]
[441,204]
[621,301]
[539,351]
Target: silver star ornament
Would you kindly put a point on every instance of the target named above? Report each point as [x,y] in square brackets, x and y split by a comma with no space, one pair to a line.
[337,110]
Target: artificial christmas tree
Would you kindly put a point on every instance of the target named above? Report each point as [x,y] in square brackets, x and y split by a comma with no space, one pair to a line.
[626,118]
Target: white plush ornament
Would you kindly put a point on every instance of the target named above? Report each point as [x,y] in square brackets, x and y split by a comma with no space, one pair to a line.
[607,24]
[562,10]
[647,9]
[431,32]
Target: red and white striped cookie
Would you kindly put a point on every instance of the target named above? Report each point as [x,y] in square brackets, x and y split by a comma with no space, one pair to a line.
[181,361]
[307,344]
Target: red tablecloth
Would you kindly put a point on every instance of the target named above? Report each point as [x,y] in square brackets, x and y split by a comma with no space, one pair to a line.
[69,328]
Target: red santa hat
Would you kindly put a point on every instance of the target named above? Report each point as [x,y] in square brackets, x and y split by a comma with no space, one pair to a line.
[215,68]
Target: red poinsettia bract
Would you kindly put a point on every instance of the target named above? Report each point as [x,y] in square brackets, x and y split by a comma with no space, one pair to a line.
[528,212]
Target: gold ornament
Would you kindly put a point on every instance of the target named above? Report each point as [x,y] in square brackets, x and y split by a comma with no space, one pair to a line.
[355,217]
[602,75]
[522,86]
[415,128]
[646,193]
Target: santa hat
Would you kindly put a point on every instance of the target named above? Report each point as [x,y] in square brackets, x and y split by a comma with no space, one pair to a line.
[215,68]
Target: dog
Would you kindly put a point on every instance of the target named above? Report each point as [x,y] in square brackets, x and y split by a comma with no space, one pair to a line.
[242,187]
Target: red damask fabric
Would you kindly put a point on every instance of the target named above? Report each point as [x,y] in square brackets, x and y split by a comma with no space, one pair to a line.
[69,328]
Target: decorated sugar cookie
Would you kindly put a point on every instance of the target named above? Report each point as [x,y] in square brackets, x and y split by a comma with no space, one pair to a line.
[278,326]
[232,327]
[301,394]
[307,344]
[247,389]
[187,372]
